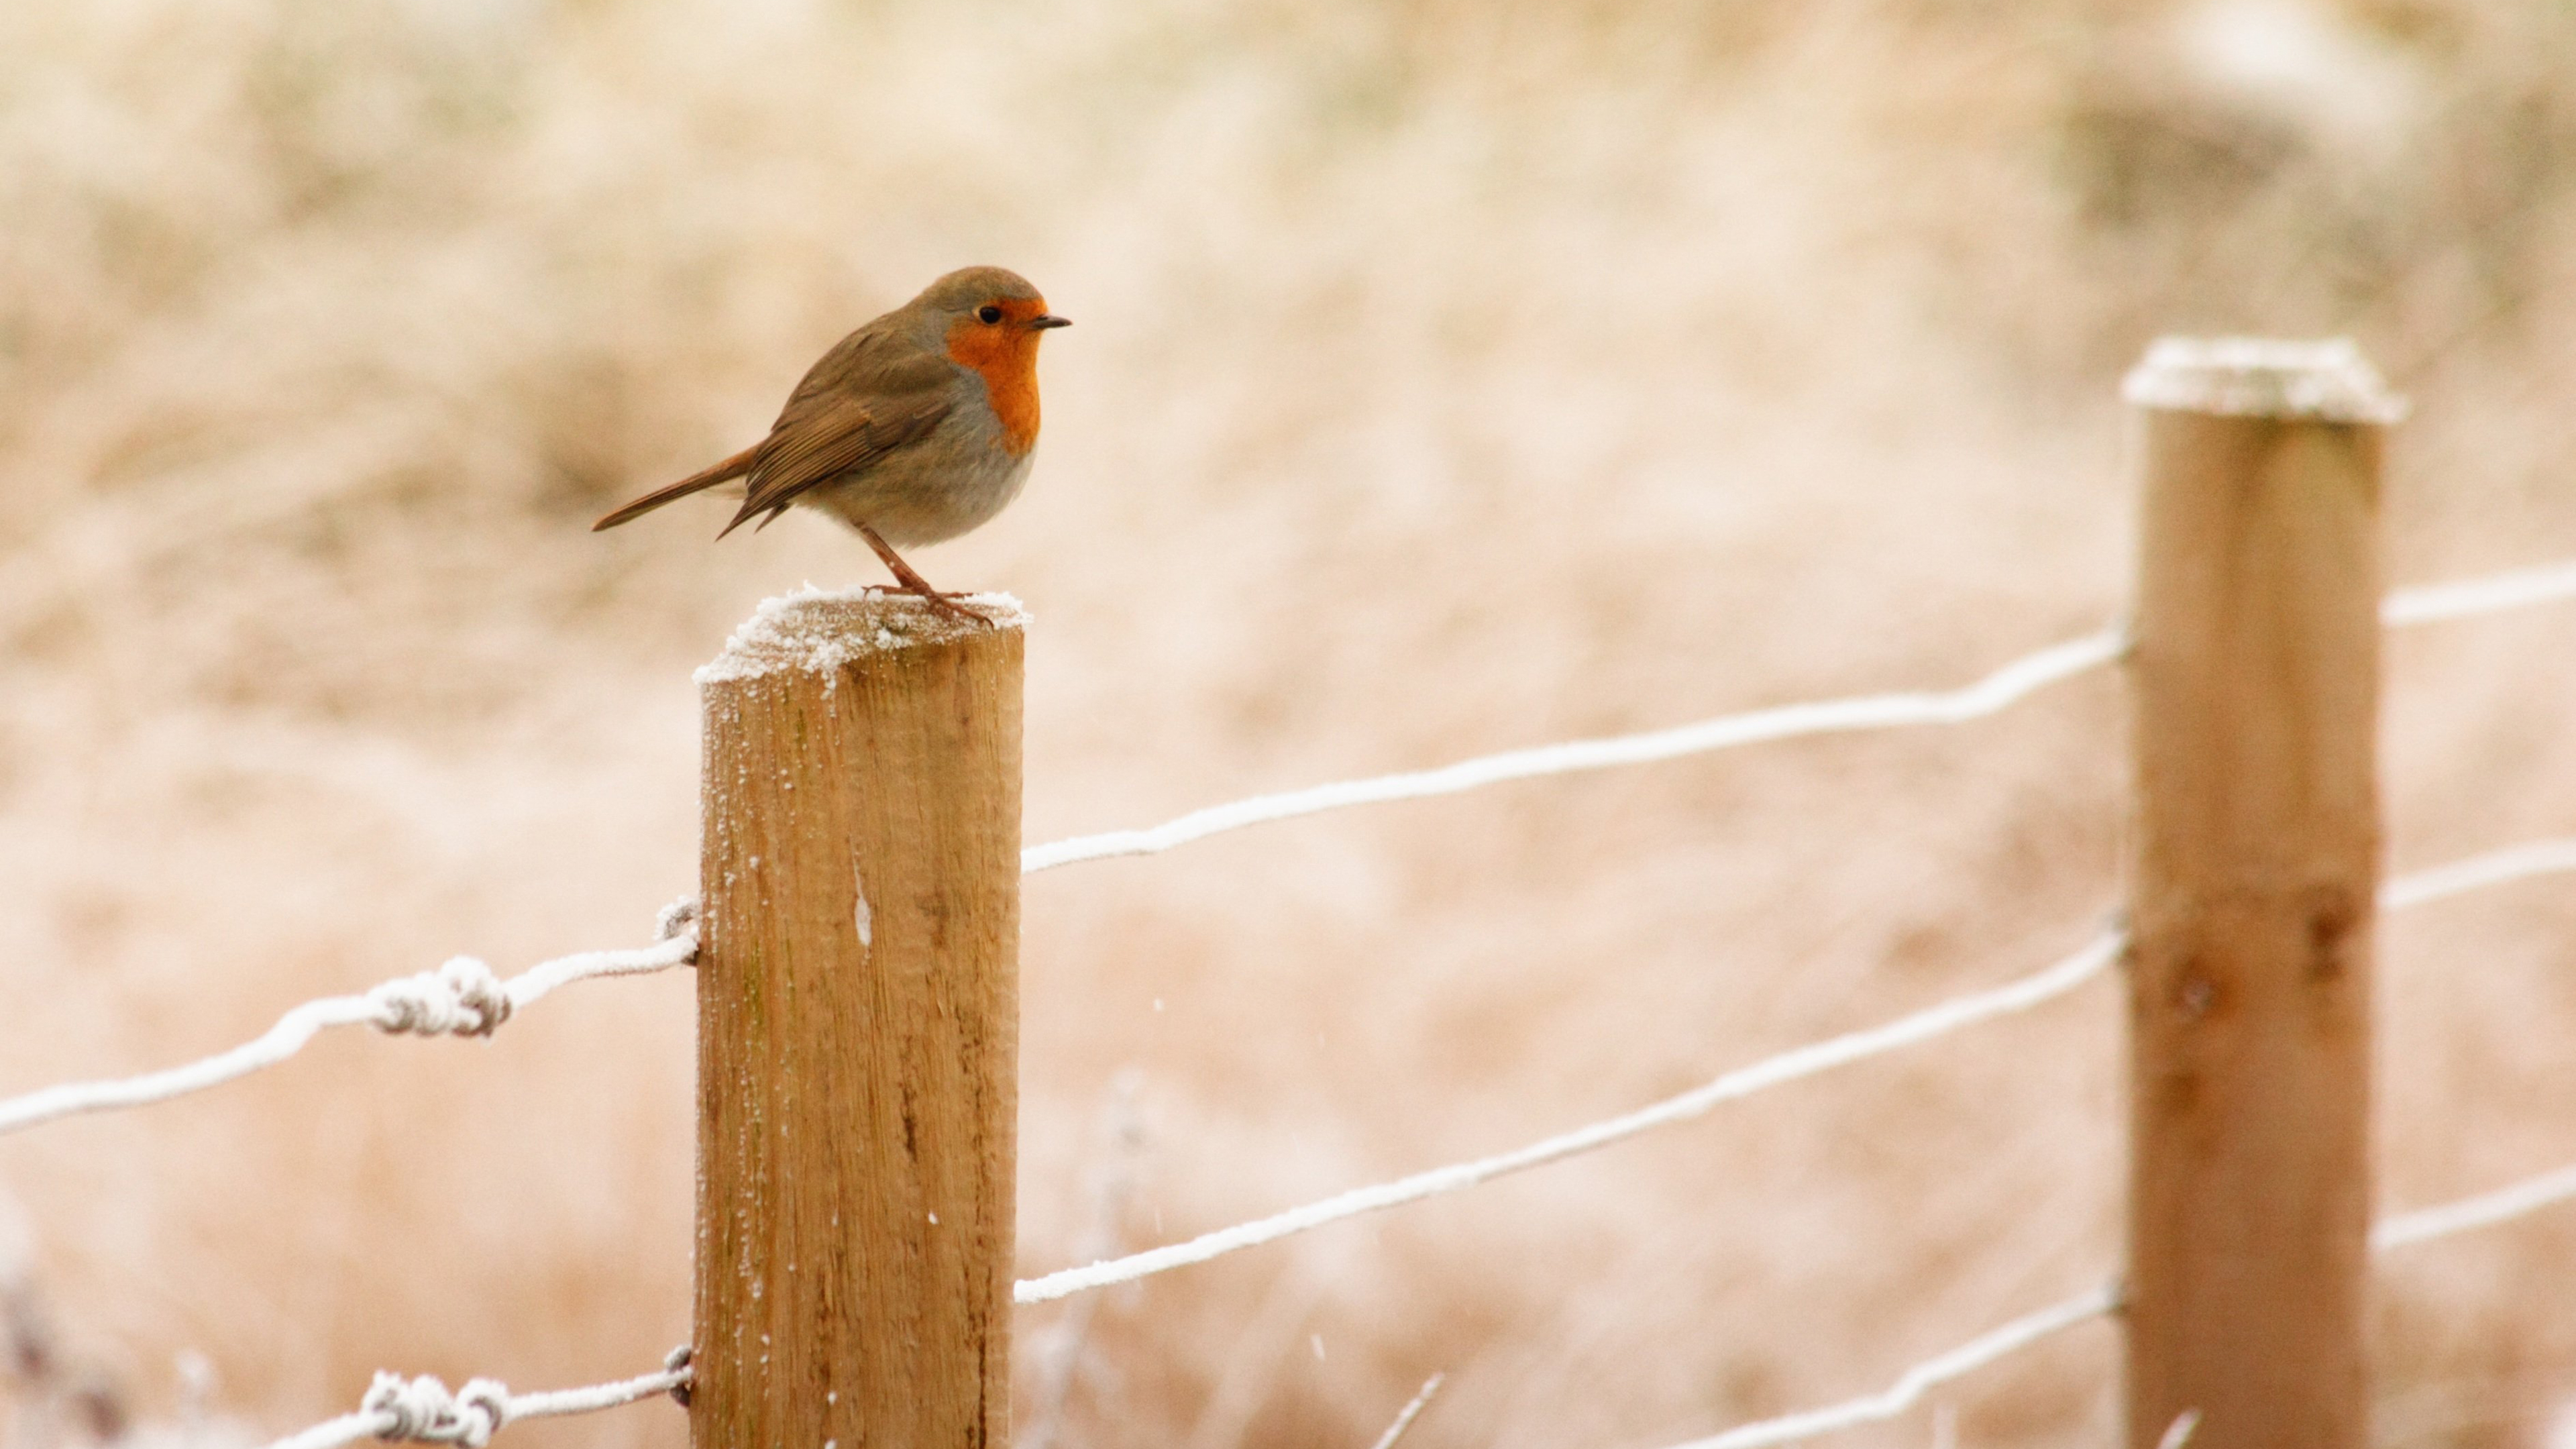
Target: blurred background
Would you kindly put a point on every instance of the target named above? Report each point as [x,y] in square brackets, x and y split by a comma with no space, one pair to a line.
[1447,377]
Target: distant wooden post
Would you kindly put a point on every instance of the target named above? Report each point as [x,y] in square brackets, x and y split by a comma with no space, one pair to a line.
[858,1029]
[2254,871]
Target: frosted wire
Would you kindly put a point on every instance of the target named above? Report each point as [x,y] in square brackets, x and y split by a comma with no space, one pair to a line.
[1788,1066]
[2518,862]
[2494,868]
[2468,1214]
[2482,1211]
[2493,593]
[1909,1388]
[1915,1382]
[331,1433]
[350,1428]
[2179,1432]
[553,1402]
[1412,1410]
[1996,692]
[300,1025]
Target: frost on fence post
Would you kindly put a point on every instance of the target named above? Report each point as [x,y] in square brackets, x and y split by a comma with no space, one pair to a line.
[858,1027]
[2253,871]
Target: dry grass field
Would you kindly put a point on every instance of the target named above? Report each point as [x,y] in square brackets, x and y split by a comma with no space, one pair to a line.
[1446,377]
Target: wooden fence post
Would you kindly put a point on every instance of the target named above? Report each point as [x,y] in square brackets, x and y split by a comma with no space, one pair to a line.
[2253,880]
[858,1029]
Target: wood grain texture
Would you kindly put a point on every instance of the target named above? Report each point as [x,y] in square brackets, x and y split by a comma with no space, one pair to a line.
[2254,873]
[858,1030]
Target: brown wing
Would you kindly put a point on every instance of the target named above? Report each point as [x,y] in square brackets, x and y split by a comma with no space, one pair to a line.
[834,422]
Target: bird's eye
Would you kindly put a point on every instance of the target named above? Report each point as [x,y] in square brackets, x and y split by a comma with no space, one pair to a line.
[988,314]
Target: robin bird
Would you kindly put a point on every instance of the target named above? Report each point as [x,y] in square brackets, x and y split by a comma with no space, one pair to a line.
[914,429]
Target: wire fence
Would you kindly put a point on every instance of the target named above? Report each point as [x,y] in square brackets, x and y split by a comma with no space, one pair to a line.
[2087,962]
[1998,691]
[423,1411]
[465,997]
[461,998]
[1789,1066]
[2423,1226]
[2488,1209]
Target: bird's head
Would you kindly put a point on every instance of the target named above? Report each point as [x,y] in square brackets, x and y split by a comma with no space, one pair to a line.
[990,320]
[987,313]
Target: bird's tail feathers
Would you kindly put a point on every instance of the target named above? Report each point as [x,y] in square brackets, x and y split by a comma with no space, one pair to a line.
[731,468]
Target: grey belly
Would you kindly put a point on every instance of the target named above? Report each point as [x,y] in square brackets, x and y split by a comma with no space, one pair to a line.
[927,494]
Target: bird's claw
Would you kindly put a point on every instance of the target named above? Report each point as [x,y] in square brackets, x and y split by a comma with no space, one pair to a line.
[944,603]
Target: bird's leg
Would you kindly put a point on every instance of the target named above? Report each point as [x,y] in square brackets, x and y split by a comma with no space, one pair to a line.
[913,583]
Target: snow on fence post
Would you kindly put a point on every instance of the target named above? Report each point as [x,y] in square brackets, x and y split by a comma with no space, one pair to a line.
[2253,870]
[858,1027]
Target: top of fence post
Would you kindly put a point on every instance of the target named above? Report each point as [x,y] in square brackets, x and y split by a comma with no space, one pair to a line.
[2327,381]
[820,630]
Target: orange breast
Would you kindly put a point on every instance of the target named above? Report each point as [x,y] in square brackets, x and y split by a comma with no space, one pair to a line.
[1007,357]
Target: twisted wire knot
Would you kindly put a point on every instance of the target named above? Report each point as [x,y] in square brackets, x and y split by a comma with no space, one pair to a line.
[678,918]
[677,1361]
[423,1411]
[462,997]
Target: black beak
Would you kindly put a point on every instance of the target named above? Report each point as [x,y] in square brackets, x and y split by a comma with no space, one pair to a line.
[1041,323]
